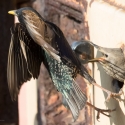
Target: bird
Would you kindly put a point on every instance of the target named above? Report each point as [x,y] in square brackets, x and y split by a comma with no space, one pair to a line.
[52,40]
[112,61]
[35,40]
[24,60]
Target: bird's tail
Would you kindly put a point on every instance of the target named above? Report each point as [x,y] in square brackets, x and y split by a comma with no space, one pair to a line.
[75,100]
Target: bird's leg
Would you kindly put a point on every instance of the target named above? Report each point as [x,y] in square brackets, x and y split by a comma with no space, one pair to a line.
[110,94]
[102,111]
[120,92]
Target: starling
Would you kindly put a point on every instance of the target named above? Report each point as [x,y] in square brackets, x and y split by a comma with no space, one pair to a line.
[24,60]
[52,40]
[112,62]
[35,40]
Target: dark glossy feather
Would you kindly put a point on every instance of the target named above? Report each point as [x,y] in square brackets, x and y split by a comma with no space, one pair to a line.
[24,59]
[37,30]
[58,61]
[68,57]
[62,78]
[51,38]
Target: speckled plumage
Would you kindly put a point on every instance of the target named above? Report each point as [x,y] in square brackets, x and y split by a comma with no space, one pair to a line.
[28,49]
[49,36]
[62,78]
[51,39]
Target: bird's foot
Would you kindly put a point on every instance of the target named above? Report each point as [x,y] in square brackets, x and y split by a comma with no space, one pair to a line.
[114,95]
[111,94]
[101,111]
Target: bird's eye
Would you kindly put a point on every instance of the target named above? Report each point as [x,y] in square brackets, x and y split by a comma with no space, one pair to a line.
[106,55]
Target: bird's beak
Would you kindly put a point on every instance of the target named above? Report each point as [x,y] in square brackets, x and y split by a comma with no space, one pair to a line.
[104,51]
[100,59]
[13,12]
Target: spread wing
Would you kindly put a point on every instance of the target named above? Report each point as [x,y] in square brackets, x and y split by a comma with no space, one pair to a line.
[40,33]
[67,55]
[24,59]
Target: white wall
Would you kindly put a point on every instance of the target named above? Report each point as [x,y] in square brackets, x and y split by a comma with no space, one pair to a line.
[107,29]
[28,103]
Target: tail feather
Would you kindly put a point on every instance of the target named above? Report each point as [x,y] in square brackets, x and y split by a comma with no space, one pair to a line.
[75,100]
[73,107]
[81,96]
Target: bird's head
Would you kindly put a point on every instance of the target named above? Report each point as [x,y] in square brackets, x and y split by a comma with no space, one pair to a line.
[20,12]
[41,32]
[110,55]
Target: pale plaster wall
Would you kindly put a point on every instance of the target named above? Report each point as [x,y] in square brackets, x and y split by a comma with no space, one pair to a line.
[107,28]
[28,103]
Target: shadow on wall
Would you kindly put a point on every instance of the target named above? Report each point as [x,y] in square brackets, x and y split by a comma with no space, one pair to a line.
[106,82]
[36,120]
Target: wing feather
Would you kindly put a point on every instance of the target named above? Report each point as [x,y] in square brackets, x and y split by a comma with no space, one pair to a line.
[24,59]
[37,29]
